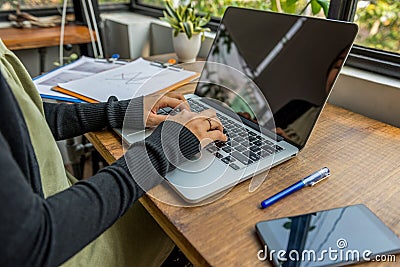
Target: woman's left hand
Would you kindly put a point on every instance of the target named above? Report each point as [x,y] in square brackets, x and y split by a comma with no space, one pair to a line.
[153,102]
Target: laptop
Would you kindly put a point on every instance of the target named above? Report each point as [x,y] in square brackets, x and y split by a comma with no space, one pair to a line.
[267,75]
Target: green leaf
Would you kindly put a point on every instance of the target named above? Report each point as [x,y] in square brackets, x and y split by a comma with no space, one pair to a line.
[325,6]
[179,14]
[315,7]
[182,12]
[274,7]
[204,20]
[165,15]
[170,9]
[183,18]
[207,17]
[290,6]
[176,27]
[188,28]
[171,20]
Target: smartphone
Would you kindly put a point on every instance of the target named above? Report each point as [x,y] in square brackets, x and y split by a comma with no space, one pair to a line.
[333,237]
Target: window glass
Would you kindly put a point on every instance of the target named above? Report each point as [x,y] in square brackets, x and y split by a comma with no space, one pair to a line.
[155,3]
[6,5]
[217,7]
[379,24]
[30,4]
[113,2]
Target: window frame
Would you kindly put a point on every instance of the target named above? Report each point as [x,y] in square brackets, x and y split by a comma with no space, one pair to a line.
[40,12]
[373,60]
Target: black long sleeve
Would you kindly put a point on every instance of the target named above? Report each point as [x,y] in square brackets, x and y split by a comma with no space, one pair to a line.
[69,120]
[35,230]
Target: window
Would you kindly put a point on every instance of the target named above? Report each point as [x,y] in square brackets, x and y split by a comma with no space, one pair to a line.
[27,4]
[379,24]
[34,5]
[377,46]
[217,8]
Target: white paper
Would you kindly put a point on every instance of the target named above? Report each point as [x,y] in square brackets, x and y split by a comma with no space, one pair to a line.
[134,79]
[81,68]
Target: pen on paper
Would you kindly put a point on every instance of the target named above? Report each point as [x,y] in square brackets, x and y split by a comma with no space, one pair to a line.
[165,65]
[310,180]
[102,60]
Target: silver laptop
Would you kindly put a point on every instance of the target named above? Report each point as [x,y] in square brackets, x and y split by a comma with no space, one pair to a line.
[267,75]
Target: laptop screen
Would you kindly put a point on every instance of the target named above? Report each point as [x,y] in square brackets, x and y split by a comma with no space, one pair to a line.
[293,60]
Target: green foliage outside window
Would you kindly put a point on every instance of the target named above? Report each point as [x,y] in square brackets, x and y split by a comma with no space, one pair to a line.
[217,7]
[379,24]
[317,7]
[378,20]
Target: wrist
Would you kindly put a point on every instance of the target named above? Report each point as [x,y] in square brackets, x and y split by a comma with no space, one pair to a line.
[125,112]
[148,161]
[177,142]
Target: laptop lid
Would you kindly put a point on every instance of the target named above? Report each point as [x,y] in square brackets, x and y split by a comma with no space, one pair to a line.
[293,60]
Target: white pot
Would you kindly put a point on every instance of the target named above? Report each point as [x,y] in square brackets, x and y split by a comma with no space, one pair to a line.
[186,49]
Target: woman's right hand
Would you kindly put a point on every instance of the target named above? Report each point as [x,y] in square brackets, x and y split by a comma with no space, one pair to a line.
[204,125]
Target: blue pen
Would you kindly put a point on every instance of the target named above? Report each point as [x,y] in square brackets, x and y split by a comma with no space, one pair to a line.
[310,180]
[66,99]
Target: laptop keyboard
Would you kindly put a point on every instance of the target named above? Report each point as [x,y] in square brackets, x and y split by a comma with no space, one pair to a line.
[243,147]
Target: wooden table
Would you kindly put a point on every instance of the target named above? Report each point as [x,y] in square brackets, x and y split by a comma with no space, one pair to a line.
[364,158]
[18,39]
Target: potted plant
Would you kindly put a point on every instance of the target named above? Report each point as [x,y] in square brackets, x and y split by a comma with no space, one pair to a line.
[187,29]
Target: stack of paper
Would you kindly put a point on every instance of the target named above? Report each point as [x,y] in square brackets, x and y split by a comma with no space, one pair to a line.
[81,68]
[139,77]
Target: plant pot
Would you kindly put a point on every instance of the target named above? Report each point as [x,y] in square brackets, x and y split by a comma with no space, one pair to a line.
[186,49]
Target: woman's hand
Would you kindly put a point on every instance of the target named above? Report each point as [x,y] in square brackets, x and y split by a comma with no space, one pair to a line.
[204,125]
[153,102]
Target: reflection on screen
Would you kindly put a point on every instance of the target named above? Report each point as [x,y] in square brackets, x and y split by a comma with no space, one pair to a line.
[293,60]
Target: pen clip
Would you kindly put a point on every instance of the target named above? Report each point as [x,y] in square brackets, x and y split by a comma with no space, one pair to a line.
[157,64]
[319,180]
[165,65]
[317,177]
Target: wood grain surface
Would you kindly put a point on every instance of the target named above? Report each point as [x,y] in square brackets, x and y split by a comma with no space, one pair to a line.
[17,39]
[362,154]
[364,158]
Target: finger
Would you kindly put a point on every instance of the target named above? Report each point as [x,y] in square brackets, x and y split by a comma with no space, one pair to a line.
[217,135]
[209,113]
[176,95]
[185,117]
[168,102]
[184,105]
[157,119]
[216,124]
[179,96]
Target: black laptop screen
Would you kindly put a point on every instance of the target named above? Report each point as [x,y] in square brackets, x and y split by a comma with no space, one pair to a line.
[293,60]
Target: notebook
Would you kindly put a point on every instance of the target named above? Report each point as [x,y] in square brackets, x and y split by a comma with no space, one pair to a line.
[267,75]
[137,78]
